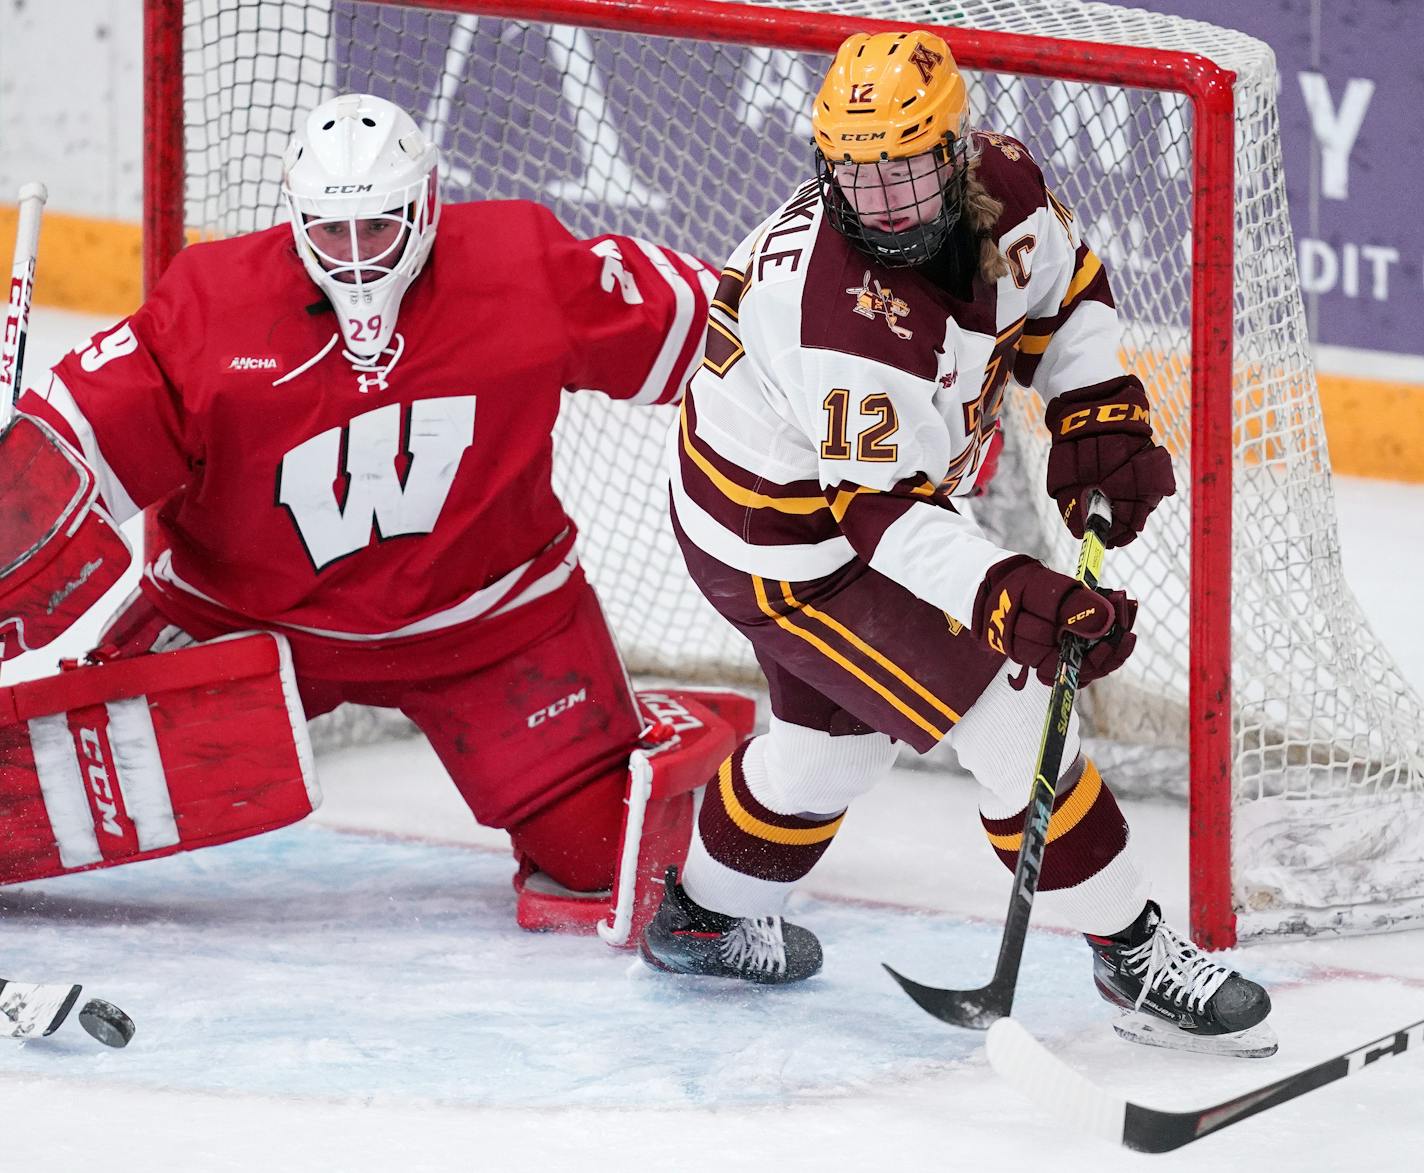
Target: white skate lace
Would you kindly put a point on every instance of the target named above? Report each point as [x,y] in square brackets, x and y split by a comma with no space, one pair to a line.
[756,943]
[1173,966]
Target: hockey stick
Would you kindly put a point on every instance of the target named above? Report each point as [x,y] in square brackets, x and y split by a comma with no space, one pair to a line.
[978,1008]
[17,305]
[1038,1073]
[27,1011]
[32,1011]
[17,308]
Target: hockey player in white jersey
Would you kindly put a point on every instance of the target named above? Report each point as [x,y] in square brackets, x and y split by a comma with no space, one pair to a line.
[858,347]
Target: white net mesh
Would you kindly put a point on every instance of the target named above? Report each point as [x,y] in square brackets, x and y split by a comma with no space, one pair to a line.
[690,143]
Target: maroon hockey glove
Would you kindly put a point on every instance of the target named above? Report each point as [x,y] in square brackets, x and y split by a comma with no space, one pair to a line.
[1023,610]
[1102,439]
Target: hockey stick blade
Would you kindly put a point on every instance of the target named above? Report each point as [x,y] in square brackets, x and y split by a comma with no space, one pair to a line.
[975,1009]
[1039,1074]
[31,1011]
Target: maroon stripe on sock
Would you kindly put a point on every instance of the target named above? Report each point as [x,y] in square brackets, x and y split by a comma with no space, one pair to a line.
[747,851]
[1081,852]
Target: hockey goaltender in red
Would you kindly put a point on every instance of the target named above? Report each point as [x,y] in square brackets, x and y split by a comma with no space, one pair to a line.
[344,426]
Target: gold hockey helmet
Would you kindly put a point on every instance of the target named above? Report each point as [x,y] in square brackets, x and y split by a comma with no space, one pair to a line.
[889,96]
[892,146]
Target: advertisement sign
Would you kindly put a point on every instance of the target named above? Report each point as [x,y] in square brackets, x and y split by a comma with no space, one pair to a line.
[1352,91]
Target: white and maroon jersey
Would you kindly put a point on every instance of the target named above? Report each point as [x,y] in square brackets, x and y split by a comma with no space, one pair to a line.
[366,506]
[842,406]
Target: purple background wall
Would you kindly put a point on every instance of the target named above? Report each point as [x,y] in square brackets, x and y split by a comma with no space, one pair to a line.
[1351,111]
[1359,231]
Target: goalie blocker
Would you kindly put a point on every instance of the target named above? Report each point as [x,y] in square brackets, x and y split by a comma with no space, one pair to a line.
[151,755]
[59,549]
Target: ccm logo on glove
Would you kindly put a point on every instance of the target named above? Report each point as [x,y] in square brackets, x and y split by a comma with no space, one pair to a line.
[995,633]
[1024,609]
[1108,413]
[1102,440]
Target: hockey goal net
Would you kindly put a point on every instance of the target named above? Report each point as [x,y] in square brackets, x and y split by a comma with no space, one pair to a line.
[1257,691]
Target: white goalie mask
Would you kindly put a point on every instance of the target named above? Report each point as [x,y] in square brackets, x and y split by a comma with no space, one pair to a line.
[360,183]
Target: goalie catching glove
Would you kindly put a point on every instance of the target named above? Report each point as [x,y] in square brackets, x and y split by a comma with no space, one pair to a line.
[1023,611]
[1102,439]
[59,550]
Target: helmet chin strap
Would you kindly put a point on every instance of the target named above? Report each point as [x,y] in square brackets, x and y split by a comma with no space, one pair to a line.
[914,246]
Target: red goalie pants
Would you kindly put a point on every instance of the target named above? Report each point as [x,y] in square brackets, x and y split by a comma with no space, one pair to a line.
[536,742]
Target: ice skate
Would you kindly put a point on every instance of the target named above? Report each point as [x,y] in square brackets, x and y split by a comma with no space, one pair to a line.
[686,938]
[1176,996]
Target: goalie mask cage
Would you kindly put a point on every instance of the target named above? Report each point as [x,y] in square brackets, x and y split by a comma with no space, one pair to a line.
[1256,689]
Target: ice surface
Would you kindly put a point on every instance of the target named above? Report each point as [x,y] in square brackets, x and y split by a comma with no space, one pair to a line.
[351,994]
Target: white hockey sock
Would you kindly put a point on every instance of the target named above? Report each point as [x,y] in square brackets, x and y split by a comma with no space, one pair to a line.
[790,770]
[798,771]
[1106,902]
[714,885]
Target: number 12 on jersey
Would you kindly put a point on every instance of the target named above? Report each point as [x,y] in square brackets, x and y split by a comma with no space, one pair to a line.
[871,441]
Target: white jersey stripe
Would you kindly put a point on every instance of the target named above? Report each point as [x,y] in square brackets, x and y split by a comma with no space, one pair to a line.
[62,784]
[707,279]
[121,506]
[655,386]
[161,574]
[140,777]
[541,586]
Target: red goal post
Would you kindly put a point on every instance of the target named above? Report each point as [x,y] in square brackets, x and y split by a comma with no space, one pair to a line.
[1199,257]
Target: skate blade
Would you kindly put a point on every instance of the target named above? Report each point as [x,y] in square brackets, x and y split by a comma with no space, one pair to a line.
[1255,1042]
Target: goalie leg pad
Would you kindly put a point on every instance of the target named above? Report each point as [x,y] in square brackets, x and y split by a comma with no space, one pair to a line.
[148,756]
[688,735]
[59,551]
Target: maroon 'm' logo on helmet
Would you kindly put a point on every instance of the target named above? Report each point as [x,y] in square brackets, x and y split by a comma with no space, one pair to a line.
[925,60]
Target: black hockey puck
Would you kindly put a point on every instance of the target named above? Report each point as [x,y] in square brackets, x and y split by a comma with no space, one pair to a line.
[107,1023]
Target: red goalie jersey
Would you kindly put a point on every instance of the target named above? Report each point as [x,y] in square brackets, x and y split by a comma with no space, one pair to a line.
[378,513]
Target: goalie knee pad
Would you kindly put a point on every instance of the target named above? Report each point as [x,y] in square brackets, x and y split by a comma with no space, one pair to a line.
[689,734]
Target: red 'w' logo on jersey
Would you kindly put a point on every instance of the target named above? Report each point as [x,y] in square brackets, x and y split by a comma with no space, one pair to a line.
[426,440]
